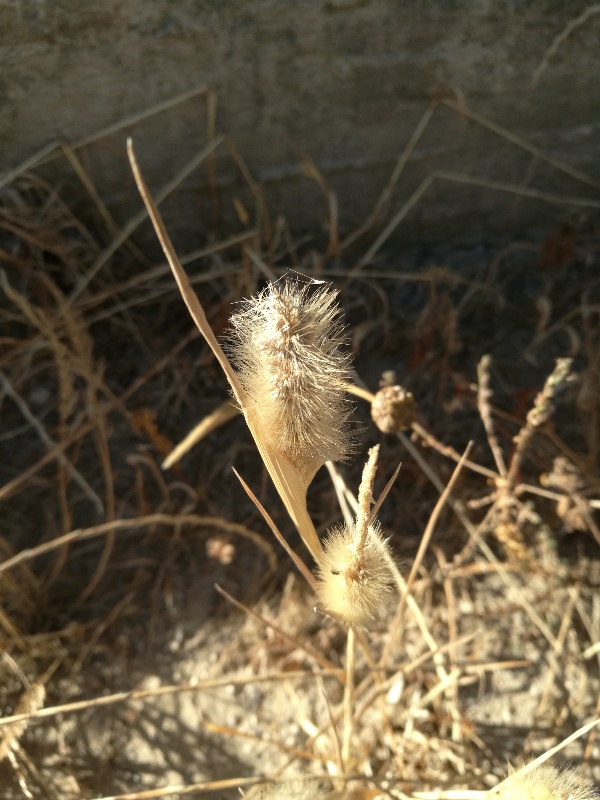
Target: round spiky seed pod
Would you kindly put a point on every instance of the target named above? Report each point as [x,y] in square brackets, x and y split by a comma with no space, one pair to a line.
[544,783]
[354,581]
[393,409]
[287,346]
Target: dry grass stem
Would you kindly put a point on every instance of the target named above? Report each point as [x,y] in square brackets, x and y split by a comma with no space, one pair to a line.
[385,198]
[90,188]
[131,120]
[301,566]
[348,702]
[458,178]
[559,40]
[139,218]
[222,414]
[26,716]
[8,177]
[172,520]
[424,544]
[31,701]
[52,445]
[518,141]
[325,663]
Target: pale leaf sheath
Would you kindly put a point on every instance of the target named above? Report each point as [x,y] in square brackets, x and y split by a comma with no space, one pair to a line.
[288,481]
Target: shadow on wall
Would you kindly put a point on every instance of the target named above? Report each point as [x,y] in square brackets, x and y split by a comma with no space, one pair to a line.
[344,83]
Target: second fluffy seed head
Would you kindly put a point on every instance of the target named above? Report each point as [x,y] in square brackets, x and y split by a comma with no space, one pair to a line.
[354,582]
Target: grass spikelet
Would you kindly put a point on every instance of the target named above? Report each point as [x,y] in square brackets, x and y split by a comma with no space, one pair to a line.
[354,568]
[287,347]
[544,783]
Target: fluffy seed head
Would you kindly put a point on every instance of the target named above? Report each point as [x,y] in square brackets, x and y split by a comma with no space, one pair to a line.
[354,580]
[545,783]
[296,790]
[286,346]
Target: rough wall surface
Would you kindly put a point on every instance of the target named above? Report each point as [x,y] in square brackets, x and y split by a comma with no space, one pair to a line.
[344,81]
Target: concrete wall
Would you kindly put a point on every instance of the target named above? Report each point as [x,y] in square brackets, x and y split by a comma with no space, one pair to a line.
[345,81]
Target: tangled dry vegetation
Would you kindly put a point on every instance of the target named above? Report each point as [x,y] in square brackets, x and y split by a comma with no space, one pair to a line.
[456,635]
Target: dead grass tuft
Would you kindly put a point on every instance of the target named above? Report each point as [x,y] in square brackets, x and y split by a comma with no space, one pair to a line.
[126,674]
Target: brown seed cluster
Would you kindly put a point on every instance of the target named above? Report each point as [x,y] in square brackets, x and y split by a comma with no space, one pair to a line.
[393,409]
